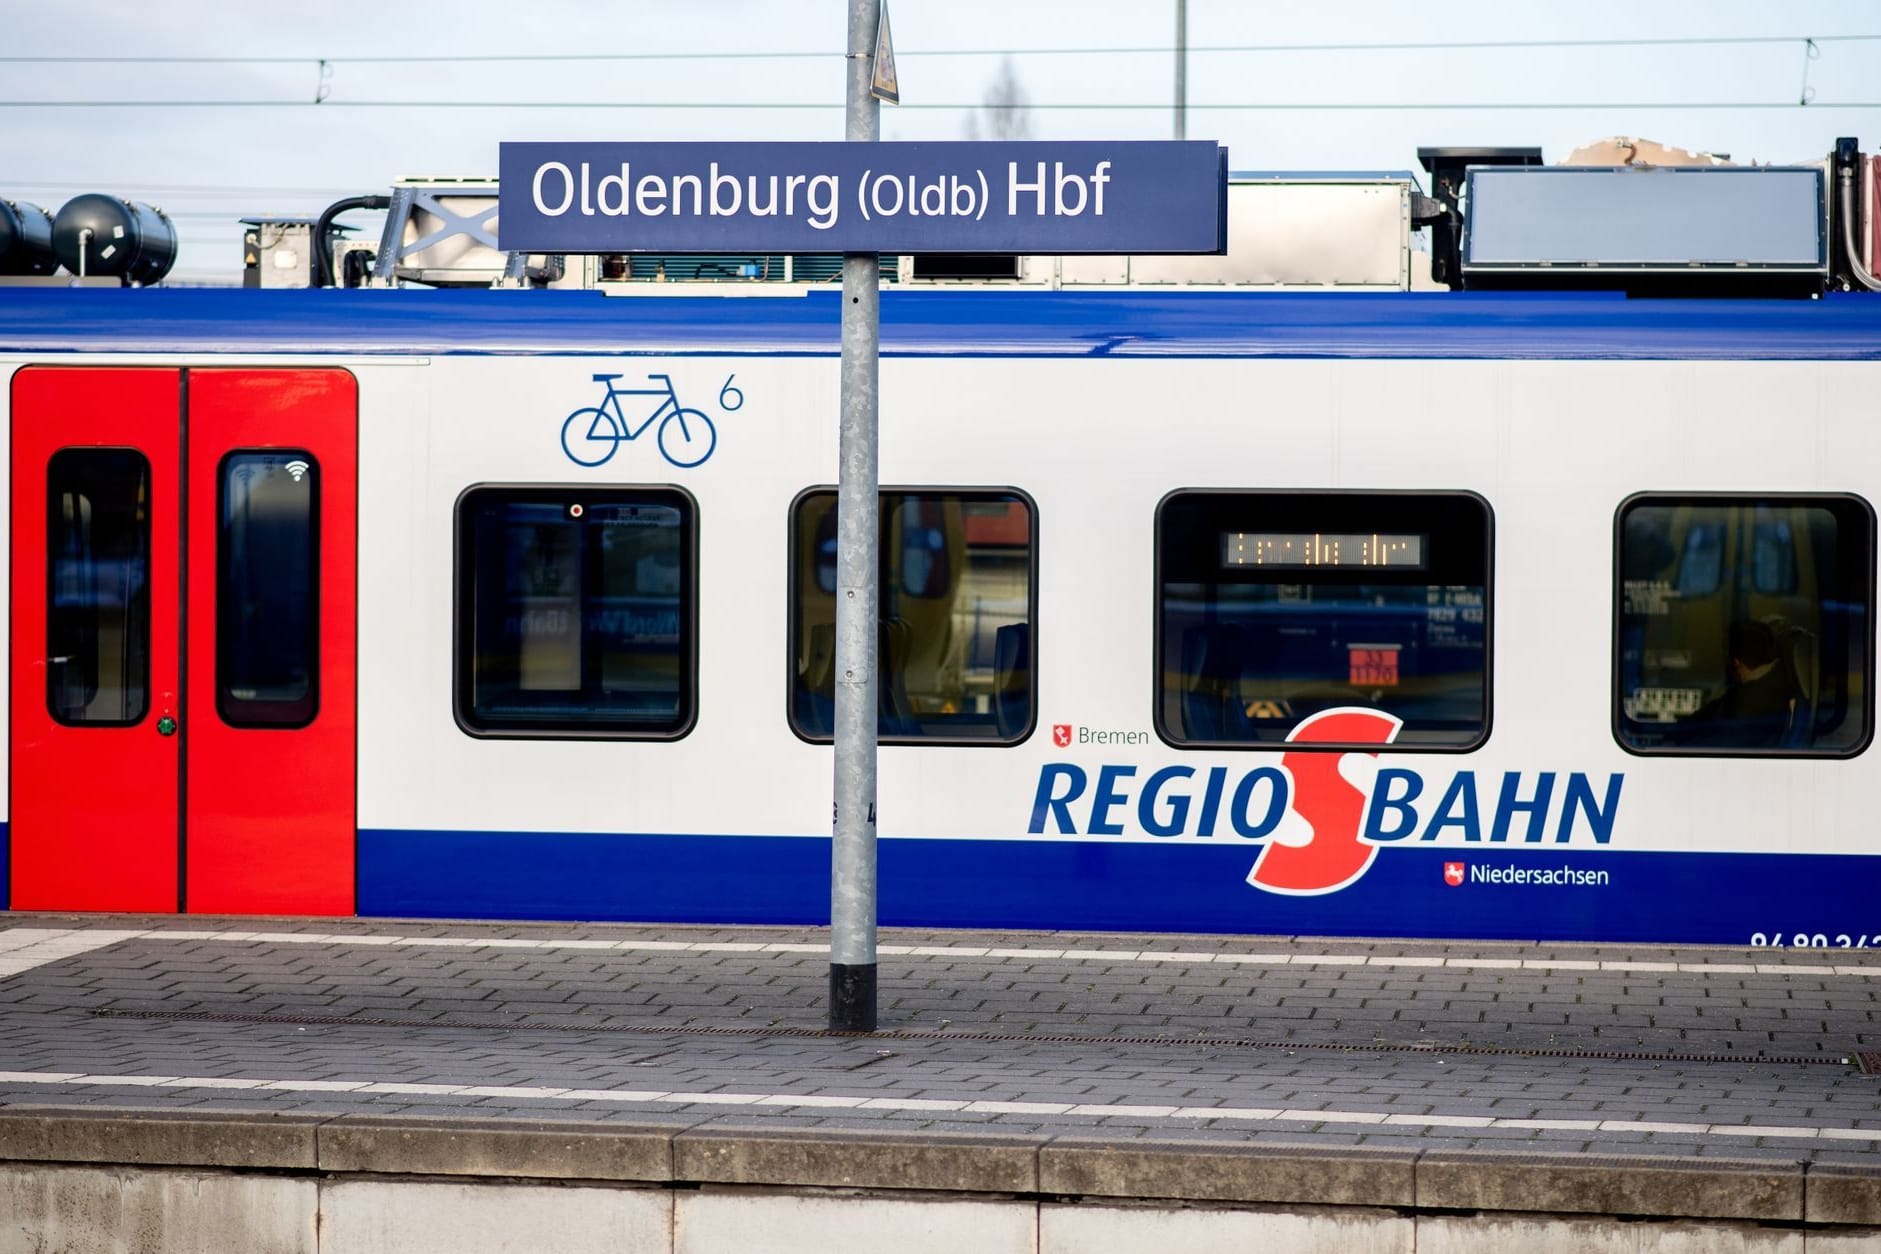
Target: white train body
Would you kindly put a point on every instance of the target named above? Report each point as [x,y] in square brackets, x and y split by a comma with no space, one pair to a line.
[1542,824]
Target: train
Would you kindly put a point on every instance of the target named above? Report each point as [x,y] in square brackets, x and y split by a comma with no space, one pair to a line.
[1511,615]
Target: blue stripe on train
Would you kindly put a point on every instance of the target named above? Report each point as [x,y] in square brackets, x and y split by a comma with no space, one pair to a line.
[1714,898]
[1108,323]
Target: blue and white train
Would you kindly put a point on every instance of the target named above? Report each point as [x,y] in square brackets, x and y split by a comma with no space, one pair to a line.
[1426,615]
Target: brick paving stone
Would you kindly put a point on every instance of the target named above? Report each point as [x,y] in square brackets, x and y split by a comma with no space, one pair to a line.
[1207,1010]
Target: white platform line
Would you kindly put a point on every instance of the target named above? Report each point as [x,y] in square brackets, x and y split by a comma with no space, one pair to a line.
[22,948]
[981,1106]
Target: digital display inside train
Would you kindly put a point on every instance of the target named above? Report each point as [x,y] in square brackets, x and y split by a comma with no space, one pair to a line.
[1284,550]
[627,515]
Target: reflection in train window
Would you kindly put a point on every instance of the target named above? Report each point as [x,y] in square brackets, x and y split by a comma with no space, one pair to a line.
[954,650]
[98,593]
[1767,648]
[576,612]
[1273,607]
[267,589]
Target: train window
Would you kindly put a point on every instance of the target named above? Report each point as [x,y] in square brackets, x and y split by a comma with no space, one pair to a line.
[576,612]
[1273,607]
[267,588]
[957,586]
[98,594]
[1767,648]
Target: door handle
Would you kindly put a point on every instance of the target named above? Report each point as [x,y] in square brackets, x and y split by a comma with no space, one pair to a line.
[166,726]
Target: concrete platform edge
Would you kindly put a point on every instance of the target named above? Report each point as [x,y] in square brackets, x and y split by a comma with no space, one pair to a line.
[1072,1167]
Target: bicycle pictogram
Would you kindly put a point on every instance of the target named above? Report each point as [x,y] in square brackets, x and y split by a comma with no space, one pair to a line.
[686,437]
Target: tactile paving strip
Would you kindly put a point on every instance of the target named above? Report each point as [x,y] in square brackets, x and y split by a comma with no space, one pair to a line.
[1870,1062]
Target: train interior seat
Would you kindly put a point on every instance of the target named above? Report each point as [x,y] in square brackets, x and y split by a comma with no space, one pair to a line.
[1012,679]
[1799,653]
[816,711]
[894,646]
[1213,658]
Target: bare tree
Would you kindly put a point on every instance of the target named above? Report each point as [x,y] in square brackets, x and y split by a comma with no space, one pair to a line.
[1005,111]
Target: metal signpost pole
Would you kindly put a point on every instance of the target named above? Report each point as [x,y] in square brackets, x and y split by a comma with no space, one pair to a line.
[852,870]
[1182,69]
[861,198]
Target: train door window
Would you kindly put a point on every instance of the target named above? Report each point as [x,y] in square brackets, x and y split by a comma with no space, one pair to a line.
[98,601]
[1274,607]
[957,582]
[1768,648]
[576,612]
[267,590]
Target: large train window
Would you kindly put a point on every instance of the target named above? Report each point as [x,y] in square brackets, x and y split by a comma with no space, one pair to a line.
[1273,607]
[958,582]
[98,594]
[267,590]
[576,612]
[1744,624]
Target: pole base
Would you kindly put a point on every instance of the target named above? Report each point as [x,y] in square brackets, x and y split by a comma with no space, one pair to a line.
[851,997]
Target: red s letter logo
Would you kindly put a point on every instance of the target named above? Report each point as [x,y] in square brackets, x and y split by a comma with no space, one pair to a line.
[1331,806]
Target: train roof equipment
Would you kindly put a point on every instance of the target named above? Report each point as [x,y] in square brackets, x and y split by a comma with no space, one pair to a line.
[1495,219]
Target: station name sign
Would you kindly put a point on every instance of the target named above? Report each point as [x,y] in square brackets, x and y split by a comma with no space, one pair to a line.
[1087,196]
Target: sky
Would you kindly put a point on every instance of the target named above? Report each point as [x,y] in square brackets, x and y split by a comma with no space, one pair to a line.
[276,151]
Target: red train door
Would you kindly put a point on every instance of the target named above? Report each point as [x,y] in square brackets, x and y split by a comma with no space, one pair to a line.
[271,622]
[183,640]
[95,667]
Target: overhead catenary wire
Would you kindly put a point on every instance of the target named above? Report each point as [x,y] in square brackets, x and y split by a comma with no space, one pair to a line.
[323,98]
[180,189]
[1429,45]
[1289,106]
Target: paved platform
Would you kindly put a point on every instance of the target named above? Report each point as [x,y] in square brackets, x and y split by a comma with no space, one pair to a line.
[1624,1080]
